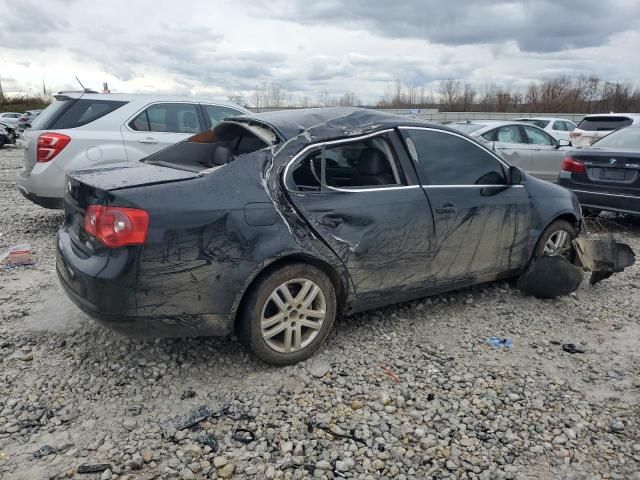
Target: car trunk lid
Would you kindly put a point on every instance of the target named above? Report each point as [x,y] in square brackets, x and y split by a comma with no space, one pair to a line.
[95,187]
[609,169]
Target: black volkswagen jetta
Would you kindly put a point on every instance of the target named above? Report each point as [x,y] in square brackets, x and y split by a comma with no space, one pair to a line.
[274,223]
[606,175]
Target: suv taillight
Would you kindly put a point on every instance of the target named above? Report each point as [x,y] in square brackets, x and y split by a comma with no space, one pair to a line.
[574,134]
[570,164]
[50,145]
[116,226]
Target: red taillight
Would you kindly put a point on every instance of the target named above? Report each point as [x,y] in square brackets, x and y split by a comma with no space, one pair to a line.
[116,226]
[574,134]
[50,145]
[570,164]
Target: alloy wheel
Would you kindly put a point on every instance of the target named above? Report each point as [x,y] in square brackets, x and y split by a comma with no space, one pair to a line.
[559,243]
[293,315]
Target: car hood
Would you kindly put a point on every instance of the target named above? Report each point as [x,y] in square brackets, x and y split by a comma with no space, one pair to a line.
[538,187]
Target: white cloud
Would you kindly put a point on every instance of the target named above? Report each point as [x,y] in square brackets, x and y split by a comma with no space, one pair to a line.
[222,47]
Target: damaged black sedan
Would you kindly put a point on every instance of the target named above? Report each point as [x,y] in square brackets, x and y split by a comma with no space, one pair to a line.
[273,224]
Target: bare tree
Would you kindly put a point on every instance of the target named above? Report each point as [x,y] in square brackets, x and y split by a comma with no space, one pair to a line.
[450,94]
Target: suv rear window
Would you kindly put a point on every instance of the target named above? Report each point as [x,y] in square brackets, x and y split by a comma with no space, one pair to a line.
[74,113]
[594,124]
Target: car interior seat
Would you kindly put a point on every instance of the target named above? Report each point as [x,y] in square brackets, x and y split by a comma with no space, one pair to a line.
[373,168]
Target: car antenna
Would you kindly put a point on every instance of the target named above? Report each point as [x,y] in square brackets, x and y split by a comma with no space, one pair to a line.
[83,87]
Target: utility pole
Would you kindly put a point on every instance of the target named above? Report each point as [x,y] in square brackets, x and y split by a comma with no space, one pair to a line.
[1,92]
[44,89]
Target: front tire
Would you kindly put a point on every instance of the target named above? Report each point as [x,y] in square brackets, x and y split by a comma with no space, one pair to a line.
[288,314]
[557,239]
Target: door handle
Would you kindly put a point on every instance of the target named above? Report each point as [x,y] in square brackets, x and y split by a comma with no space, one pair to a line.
[148,140]
[447,208]
[330,221]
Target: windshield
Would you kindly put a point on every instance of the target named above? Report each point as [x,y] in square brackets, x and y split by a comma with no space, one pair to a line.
[537,123]
[465,127]
[595,124]
[626,138]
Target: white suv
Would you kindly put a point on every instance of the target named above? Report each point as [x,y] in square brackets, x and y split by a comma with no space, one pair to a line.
[81,130]
[594,127]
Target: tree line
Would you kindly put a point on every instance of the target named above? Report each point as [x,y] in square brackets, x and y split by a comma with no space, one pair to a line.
[563,94]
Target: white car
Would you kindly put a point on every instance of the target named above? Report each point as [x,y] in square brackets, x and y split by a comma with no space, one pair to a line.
[81,130]
[558,128]
[10,118]
[594,127]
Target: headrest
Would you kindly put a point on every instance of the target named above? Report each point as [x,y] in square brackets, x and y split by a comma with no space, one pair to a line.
[221,155]
[372,162]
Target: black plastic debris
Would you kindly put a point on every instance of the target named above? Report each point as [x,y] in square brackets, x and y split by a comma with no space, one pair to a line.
[43,451]
[603,257]
[351,436]
[244,435]
[550,277]
[94,468]
[572,348]
[192,418]
[188,393]
[208,440]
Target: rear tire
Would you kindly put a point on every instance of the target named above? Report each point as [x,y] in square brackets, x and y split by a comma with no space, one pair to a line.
[1,142]
[288,314]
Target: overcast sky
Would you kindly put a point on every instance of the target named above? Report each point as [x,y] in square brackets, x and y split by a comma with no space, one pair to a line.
[220,47]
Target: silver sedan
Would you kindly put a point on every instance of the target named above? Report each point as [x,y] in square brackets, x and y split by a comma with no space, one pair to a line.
[522,144]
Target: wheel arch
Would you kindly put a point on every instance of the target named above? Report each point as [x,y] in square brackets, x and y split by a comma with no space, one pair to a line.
[340,285]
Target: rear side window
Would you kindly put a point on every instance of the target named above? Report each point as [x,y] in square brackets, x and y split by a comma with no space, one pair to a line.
[84,111]
[217,113]
[168,117]
[365,164]
[594,124]
[506,134]
[447,159]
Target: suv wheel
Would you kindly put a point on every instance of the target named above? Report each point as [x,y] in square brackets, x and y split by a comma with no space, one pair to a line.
[288,314]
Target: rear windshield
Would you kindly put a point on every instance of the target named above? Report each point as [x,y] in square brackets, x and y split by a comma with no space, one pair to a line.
[213,148]
[465,127]
[595,124]
[74,113]
[43,121]
[537,123]
[626,138]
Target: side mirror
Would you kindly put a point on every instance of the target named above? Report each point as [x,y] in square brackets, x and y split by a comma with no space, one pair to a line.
[563,143]
[515,175]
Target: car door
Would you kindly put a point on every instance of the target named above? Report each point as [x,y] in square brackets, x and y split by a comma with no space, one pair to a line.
[370,210]
[546,155]
[158,126]
[481,221]
[509,142]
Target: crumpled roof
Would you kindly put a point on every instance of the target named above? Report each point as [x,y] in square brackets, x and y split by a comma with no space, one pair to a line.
[330,122]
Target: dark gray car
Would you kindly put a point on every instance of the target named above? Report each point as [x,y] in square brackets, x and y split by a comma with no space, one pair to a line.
[275,223]
[522,144]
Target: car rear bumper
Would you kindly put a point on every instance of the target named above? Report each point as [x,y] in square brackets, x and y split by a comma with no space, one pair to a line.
[44,185]
[608,201]
[111,300]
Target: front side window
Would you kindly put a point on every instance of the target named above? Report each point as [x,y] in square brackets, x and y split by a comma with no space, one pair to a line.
[366,164]
[447,159]
[217,113]
[168,117]
[537,137]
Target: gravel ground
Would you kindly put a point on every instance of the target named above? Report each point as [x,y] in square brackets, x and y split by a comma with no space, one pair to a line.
[409,391]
